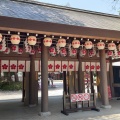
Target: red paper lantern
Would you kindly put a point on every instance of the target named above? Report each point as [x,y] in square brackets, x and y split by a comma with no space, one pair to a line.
[61,42]
[0,37]
[63,52]
[15,39]
[20,51]
[111,46]
[14,48]
[118,53]
[92,53]
[47,41]
[83,52]
[1,46]
[74,52]
[88,45]
[109,53]
[32,40]
[100,45]
[32,52]
[7,51]
[76,43]
[52,51]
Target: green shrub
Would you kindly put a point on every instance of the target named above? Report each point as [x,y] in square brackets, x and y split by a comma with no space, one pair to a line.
[11,86]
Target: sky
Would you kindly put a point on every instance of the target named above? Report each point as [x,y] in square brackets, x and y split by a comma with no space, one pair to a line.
[104,6]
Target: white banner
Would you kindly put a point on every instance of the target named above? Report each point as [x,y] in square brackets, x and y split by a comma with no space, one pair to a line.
[57,66]
[4,65]
[21,66]
[87,66]
[24,65]
[71,66]
[97,66]
[50,66]
[92,66]
[27,66]
[64,65]
[76,65]
[13,66]
[37,66]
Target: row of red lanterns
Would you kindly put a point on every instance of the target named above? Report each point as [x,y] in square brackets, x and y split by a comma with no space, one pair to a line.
[32,40]
[63,52]
[16,49]
[82,52]
[15,39]
[76,44]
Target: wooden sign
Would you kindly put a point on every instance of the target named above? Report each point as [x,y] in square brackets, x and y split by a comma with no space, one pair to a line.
[80,97]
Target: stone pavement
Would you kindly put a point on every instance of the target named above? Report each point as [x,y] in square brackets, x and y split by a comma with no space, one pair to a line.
[13,109]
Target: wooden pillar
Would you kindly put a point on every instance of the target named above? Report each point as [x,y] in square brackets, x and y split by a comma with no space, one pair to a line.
[76,81]
[80,78]
[104,84]
[92,82]
[71,82]
[37,86]
[99,87]
[111,78]
[44,80]
[64,82]
[23,88]
[33,87]
[26,88]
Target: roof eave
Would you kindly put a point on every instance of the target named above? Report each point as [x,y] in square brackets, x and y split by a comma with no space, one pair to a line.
[32,26]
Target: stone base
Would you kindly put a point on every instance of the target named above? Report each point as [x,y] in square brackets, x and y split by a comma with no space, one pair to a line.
[106,106]
[34,105]
[45,113]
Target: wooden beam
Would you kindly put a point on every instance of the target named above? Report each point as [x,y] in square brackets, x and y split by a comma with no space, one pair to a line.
[116,85]
[116,60]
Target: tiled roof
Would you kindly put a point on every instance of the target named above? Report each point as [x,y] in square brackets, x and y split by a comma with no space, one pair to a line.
[57,14]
